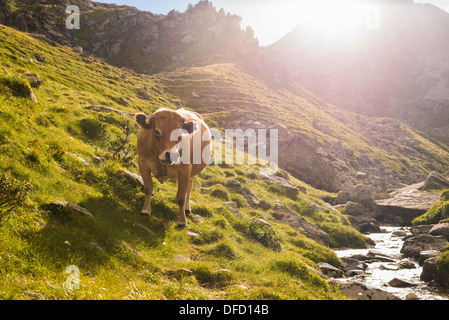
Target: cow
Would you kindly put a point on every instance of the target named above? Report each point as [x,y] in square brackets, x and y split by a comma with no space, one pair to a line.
[164,139]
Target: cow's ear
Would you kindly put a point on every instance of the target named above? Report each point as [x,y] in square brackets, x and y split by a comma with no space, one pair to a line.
[143,121]
[190,127]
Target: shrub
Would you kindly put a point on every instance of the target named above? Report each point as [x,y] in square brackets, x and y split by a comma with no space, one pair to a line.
[262,231]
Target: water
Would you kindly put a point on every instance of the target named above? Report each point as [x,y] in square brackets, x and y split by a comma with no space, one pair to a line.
[378,274]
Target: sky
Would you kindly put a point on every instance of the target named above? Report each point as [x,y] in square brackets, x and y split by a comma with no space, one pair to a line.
[254,13]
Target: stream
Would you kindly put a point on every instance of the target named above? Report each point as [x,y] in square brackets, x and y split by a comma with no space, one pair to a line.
[378,274]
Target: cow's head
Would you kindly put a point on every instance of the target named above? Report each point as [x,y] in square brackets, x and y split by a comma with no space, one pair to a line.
[166,129]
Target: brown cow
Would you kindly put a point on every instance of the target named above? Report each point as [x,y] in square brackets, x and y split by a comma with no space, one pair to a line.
[166,153]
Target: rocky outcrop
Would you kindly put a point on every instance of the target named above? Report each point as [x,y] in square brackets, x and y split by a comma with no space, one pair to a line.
[405,204]
[5,13]
[287,216]
[286,185]
[65,207]
[440,229]
[435,181]
[361,218]
[359,291]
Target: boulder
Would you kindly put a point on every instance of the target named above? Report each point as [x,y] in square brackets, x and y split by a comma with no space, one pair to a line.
[286,185]
[359,291]
[133,179]
[232,206]
[430,270]
[421,229]
[330,270]
[361,218]
[34,80]
[435,181]
[351,263]
[406,264]
[405,204]
[78,50]
[285,215]
[250,197]
[413,246]
[65,207]
[39,57]
[356,209]
[411,296]
[399,283]
[424,255]
[440,229]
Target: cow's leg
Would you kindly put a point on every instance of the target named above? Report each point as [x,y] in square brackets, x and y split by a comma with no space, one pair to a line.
[187,203]
[148,188]
[183,186]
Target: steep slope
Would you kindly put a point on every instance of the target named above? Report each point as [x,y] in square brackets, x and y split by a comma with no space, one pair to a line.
[320,143]
[399,69]
[57,150]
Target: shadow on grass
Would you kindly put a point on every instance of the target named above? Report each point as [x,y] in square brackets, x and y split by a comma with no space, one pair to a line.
[115,235]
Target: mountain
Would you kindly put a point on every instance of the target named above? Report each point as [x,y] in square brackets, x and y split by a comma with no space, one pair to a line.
[144,42]
[339,144]
[319,143]
[398,70]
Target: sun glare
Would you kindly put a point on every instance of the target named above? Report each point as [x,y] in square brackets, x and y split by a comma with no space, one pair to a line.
[339,18]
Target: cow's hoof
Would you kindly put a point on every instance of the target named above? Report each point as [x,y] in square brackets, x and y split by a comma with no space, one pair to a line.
[145,214]
[181,226]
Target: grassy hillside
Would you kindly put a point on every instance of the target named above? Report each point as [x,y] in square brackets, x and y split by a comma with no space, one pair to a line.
[56,150]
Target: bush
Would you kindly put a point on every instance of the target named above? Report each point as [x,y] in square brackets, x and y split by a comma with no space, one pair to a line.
[262,231]
[12,193]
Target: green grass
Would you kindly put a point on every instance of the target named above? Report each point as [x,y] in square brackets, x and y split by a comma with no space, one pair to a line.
[435,213]
[121,255]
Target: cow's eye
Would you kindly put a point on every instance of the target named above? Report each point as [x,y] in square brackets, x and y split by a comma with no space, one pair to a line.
[158,133]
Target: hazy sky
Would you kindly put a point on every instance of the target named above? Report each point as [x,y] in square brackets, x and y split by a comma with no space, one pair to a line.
[255,13]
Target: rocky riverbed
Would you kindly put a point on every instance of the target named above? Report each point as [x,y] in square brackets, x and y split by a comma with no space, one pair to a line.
[384,272]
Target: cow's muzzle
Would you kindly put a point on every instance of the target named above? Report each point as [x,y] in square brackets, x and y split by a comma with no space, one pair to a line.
[169,157]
